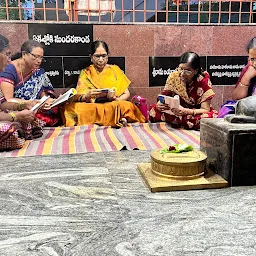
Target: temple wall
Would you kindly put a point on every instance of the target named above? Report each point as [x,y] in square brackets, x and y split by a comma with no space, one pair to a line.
[137,43]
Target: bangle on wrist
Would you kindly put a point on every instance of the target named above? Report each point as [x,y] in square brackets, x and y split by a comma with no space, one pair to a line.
[243,85]
[80,99]
[194,112]
[14,118]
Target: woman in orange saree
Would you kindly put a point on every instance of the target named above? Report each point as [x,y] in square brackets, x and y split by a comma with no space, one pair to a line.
[114,111]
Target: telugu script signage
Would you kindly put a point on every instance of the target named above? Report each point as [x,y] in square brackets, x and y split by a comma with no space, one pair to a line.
[54,70]
[63,39]
[161,67]
[225,70]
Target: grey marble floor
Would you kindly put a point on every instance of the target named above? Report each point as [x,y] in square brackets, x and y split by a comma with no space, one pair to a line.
[97,204]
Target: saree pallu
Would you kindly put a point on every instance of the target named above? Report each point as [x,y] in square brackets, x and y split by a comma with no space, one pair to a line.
[31,87]
[14,134]
[186,121]
[229,106]
[105,114]
[192,96]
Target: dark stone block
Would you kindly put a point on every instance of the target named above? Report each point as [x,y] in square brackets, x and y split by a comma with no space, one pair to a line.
[230,149]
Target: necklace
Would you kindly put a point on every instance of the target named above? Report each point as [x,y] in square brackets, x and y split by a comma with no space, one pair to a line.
[21,73]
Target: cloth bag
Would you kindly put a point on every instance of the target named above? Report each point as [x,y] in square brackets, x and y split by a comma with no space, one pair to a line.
[143,104]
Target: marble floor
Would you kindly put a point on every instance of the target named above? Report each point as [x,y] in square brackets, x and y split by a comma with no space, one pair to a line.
[97,204]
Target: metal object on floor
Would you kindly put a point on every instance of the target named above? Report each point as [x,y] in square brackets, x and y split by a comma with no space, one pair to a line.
[179,171]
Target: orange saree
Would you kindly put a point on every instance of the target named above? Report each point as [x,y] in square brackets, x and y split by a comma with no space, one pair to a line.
[106,114]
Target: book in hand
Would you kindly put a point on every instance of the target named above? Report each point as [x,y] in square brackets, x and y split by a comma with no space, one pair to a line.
[107,95]
[40,104]
[64,97]
[172,102]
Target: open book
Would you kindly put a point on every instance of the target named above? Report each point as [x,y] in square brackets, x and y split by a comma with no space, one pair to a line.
[40,104]
[62,98]
[173,102]
[107,94]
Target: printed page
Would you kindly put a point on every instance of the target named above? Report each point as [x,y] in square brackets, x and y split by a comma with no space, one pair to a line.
[64,97]
[40,104]
[173,102]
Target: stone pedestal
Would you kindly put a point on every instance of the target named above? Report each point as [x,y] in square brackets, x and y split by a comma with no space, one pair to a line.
[231,150]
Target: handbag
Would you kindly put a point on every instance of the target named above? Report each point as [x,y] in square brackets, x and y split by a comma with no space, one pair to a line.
[143,105]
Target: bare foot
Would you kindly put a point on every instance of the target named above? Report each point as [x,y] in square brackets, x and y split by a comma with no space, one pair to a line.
[124,122]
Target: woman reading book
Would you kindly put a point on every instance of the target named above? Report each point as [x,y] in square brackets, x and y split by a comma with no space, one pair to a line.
[93,103]
[195,91]
[17,121]
[23,80]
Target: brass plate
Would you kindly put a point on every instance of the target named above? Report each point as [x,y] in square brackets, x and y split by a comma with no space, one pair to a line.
[161,184]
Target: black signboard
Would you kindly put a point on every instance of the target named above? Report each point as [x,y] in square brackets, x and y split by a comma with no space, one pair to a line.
[63,39]
[161,67]
[73,66]
[54,70]
[225,70]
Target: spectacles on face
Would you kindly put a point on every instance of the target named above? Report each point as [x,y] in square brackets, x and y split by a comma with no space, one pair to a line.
[98,56]
[8,54]
[184,71]
[37,57]
[252,59]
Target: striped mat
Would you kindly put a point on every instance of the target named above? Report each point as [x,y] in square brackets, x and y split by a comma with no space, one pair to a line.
[93,138]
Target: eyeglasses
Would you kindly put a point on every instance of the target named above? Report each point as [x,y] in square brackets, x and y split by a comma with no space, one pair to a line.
[252,59]
[97,56]
[37,57]
[184,71]
[8,54]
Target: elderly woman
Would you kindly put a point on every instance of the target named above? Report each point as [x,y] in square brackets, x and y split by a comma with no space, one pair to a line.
[17,122]
[195,92]
[246,84]
[5,52]
[23,80]
[114,111]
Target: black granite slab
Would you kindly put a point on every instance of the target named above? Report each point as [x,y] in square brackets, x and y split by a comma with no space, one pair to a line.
[230,149]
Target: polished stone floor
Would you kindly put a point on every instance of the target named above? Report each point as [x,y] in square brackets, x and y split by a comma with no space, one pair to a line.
[97,204]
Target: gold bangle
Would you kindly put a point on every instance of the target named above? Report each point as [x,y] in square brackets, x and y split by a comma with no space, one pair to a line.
[13,116]
[243,85]
[194,112]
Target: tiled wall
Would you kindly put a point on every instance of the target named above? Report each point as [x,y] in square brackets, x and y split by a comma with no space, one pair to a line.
[137,42]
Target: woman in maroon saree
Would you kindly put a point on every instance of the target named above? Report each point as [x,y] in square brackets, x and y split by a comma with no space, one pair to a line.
[195,91]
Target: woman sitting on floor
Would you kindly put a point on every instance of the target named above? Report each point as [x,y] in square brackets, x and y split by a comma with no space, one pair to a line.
[195,91]
[246,84]
[115,111]
[5,52]
[24,80]
[15,127]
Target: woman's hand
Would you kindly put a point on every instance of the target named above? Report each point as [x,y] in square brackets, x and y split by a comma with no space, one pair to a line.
[162,107]
[94,93]
[25,116]
[29,104]
[47,104]
[180,111]
[249,74]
